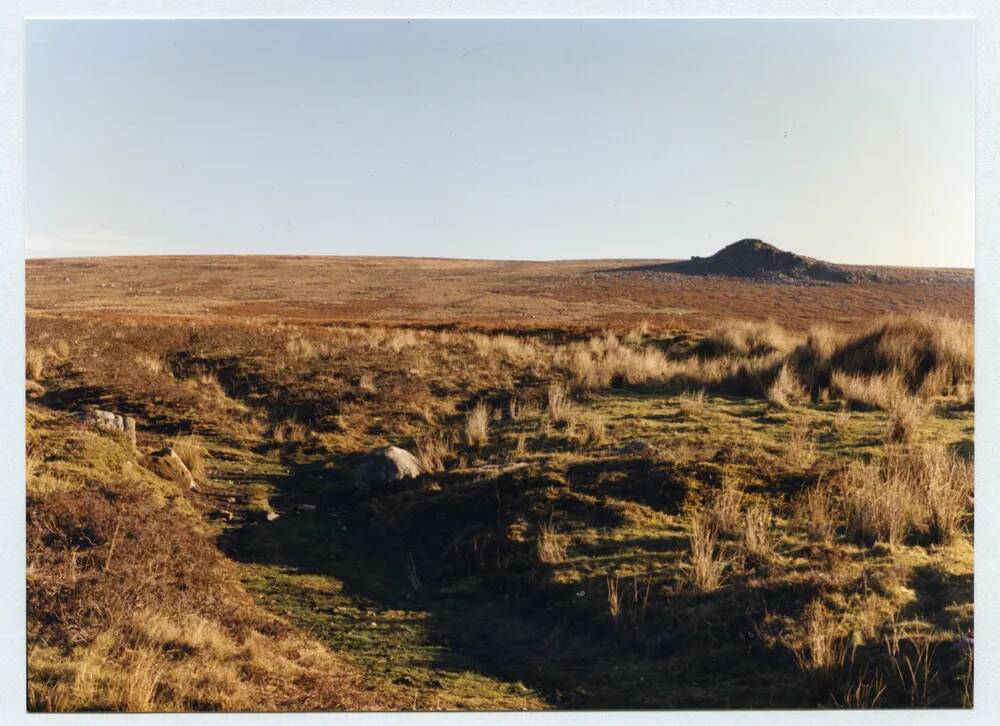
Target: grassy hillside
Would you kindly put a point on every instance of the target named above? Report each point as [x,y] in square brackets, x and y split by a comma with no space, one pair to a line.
[748,516]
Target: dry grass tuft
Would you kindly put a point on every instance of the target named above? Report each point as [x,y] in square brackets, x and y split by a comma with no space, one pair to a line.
[477,425]
[432,452]
[707,565]
[148,363]
[863,392]
[814,509]
[628,606]
[930,354]
[906,419]
[593,430]
[692,403]
[745,339]
[559,405]
[34,364]
[550,544]
[823,649]
[800,448]
[785,389]
[917,489]
[289,431]
[758,538]
[193,453]
[61,349]
[726,507]
[366,383]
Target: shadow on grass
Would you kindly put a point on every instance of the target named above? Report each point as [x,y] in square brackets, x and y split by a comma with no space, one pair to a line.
[505,615]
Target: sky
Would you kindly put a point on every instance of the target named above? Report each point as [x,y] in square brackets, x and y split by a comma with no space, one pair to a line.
[851,141]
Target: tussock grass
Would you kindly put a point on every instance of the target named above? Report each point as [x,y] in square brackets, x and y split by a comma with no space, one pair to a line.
[61,349]
[822,651]
[707,565]
[558,403]
[289,431]
[433,452]
[929,353]
[815,511]
[628,605]
[550,544]
[477,425]
[758,543]
[726,507]
[692,403]
[800,448]
[593,430]
[906,419]
[744,339]
[785,389]
[193,453]
[34,364]
[303,348]
[151,364]
[921,490]
[866,392]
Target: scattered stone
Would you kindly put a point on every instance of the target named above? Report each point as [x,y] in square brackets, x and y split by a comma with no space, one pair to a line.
[637,447]
[167,464]
[271,516]
[101,420]
[386,465]
[307,507]
[231,500]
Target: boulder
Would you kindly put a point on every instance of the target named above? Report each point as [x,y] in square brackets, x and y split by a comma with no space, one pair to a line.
[386,465]
[167,464]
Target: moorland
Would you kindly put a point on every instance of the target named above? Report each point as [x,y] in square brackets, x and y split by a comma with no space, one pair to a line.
[638,487]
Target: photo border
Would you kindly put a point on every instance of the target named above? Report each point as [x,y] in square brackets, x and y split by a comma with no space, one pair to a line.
[986,14]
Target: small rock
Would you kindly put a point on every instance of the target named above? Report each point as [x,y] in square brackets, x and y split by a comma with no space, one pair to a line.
[271,516]
[231,500]
[307,507]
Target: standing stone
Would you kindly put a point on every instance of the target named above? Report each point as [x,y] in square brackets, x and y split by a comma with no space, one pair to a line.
[130,430]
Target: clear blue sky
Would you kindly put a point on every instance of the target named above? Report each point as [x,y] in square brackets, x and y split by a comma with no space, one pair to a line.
[847,140]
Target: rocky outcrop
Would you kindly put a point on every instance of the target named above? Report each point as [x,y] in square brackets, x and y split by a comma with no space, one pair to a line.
[386,465]
[757,260]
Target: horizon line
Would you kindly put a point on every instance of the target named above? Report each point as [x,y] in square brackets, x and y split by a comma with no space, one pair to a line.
[29,257]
